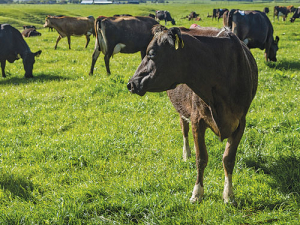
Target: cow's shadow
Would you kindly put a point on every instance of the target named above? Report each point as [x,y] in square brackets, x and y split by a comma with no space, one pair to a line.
[17,185]
[284,65]
[10,79]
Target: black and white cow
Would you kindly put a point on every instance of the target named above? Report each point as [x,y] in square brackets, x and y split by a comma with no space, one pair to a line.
[296,15]
[164,15]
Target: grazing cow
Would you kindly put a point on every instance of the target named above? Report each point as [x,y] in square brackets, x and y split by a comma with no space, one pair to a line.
[71,26]
[14,47]
[296,15]
[255,29]
[121,34]
[266,10]
[30,32]
[282,11]
[164,15]
[193,15]
[218,13]
[222,89]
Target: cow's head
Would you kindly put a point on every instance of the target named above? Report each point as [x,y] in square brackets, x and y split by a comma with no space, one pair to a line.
[158,71]
[273,50]
[292,20]
[28,61]
[47,22]
[173,22]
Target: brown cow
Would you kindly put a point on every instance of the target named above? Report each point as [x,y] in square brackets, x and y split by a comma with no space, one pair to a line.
[224,88]
[71,26]
[30,32]
[282,11]
[121,34]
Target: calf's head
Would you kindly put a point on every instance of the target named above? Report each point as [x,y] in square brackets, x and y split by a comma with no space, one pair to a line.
[273,50]
[28,61]
[159,69]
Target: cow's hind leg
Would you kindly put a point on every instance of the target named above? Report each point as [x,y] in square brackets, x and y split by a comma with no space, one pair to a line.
[199,127]
[87,40]
[3,63]
[229,160]
[106,59]
[57,40]
[185,131]
[94,59]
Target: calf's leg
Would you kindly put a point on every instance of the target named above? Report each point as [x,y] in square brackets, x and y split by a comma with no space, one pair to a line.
[185,131]
[199,127]
[3,63]
[229,160]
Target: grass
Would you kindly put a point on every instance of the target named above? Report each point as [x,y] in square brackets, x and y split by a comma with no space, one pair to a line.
[79,149]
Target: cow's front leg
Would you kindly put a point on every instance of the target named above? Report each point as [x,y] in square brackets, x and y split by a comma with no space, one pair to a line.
[57,40]
[199,127]
[229,161]
[3,63]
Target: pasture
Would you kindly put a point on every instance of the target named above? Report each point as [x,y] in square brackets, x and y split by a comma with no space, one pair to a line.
[80,149]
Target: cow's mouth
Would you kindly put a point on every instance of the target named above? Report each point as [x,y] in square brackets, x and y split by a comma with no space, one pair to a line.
[131,86]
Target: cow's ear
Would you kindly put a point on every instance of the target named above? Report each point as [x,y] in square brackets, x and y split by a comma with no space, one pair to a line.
[38,53]
[276,40]
[174,37]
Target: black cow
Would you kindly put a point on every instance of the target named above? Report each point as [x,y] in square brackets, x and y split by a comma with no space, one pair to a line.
[13,47]
[218,13]
[296,15]
[30,32]
[255,29]
[164,15]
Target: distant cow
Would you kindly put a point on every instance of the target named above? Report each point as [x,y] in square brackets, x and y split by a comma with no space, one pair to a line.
[121,34]
[28,27]
[14,47]
[193,15]
[282,11]
[122,15]
[71,26]
[30,32]
[218,13]
[222,89]
[255,29]
[296,15]
[266,10]
[164,15]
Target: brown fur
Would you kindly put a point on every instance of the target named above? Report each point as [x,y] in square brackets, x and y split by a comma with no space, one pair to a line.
[219,76]
[71,26]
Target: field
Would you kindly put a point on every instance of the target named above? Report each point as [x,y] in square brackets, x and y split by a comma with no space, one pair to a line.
[80,149]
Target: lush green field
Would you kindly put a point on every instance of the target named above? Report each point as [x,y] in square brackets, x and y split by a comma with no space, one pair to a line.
[76,149]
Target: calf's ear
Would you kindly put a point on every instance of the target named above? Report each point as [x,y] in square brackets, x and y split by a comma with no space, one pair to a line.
[174,37]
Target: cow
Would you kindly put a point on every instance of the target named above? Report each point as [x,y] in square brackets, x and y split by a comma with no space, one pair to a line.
[121,34]
[218,13]
[30,32]
[14,47]
[266,10]
[255,29]
[296,15]
[282,11]
[71,26]
[28,27]
[193,15]
[222,74]
[164,15]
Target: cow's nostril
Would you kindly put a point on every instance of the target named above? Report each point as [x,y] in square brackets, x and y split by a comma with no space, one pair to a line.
[130,87]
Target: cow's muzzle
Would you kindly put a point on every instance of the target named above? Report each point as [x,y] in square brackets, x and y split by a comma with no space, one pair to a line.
[131,86]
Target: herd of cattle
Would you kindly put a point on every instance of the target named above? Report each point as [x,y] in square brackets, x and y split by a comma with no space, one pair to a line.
[178,60]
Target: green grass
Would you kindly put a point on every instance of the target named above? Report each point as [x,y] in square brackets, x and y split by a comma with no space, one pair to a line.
[79,149]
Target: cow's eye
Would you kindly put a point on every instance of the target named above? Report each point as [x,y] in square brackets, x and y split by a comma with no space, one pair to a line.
[151,54]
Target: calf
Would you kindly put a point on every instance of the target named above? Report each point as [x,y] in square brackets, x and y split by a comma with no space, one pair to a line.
[296,15]
[193,15]
[14,47]
[121,34]
[164,15]
[255,29]
[222,75]
[71,26]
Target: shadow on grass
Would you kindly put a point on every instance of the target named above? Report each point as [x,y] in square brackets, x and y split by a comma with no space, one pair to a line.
[37,78]
[17,186]
[284,65]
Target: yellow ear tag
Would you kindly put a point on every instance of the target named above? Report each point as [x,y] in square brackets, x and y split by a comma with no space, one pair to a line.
[176,41]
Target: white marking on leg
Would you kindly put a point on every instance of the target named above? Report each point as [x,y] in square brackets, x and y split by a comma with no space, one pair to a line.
[186,149]
[197,194]
[228,195]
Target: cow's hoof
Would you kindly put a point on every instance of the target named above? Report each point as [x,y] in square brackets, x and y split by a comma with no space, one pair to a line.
[230,201]
[195,200]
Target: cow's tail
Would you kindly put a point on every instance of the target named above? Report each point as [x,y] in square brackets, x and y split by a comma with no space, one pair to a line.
[97,30]
[230,15]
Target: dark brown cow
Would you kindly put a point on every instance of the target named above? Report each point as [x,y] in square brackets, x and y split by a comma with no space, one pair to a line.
[255,29]
[30,32]
[296,15]
[218,13]
[121,34]
[282,11]
[71,26]
[223,87]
